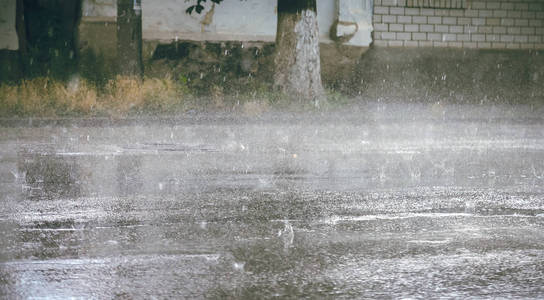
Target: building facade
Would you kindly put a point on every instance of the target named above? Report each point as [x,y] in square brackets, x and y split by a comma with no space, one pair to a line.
[166,21]
[490,24]
[483,24]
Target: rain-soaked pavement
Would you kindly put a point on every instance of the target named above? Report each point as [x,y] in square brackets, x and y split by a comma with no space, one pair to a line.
[385,201]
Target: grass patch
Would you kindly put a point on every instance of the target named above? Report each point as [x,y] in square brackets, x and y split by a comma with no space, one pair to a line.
[127,96]
[46,97]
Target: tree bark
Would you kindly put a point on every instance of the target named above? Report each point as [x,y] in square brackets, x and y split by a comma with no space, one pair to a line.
[297,60]
[129,38]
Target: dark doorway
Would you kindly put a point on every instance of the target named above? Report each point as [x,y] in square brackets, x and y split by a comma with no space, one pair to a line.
[51,37]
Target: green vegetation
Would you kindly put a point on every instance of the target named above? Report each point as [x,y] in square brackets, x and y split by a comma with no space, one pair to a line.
[128,96]
[46,97]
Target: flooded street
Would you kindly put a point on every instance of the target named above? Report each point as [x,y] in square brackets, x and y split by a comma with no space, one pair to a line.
[385,201]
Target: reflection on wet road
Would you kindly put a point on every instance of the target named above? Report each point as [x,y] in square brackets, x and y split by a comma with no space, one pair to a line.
[327,207]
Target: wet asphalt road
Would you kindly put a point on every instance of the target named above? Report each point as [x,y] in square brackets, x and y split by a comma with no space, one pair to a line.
[381,202]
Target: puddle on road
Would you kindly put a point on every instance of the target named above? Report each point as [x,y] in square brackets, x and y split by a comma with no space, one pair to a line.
[285,210]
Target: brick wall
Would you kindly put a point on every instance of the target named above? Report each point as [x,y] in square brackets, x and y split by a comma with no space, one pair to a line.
[497,24]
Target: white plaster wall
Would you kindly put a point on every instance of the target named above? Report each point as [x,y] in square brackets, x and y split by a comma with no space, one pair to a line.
[360,13]
[326,14]
[247,20]
[239,20]
[99,9]
[8,33]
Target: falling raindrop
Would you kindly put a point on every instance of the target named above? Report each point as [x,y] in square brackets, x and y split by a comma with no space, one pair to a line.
[287,234]
[238,266]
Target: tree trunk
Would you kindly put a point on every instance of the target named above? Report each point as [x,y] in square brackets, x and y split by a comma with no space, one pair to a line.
[129,38]
[297,64]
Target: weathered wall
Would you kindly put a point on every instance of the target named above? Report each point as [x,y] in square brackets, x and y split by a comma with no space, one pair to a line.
[497,24]
[99,10]
[355,21]
[231,20]
[97,34]
[8,34]
[98,27]
[248,20]
[165,22]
